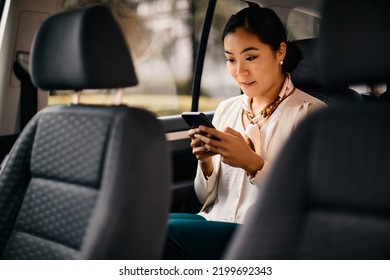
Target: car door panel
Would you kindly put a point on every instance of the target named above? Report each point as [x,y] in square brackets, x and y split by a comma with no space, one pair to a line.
[184,164]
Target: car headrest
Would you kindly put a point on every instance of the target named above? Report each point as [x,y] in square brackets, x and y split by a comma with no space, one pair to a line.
[304,75]
[81,49]
[354,42]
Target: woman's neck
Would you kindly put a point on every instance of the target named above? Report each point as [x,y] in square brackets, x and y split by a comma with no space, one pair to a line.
[258,103]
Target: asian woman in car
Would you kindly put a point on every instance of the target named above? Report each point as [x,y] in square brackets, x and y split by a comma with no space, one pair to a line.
[252,128]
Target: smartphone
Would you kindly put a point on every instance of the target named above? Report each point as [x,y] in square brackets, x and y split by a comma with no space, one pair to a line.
[195,119]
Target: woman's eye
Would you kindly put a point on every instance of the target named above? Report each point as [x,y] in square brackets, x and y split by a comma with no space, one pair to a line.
[250,58]
[229,59]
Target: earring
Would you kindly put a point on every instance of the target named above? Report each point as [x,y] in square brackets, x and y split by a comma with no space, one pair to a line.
[281,62]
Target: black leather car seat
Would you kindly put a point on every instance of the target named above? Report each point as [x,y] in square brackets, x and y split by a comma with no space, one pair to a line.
[328,196]
[84,181]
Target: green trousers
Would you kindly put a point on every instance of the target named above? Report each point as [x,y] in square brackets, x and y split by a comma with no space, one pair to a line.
[192,237]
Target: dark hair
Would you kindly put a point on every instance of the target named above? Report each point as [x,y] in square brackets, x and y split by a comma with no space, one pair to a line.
[267,26]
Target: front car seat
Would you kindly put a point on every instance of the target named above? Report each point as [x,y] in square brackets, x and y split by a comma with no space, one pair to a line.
[306,77]
[328,196]
[84,181]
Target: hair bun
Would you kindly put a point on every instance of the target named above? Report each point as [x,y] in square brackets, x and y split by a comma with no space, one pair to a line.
[292,58]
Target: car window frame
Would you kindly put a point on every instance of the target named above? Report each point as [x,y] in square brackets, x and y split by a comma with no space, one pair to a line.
[202,50]
[196,86]
[2,3]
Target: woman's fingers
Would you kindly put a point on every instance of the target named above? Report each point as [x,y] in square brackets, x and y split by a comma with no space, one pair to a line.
[199,150]
[196,143]
[231,131]
[192,132]
[210,132]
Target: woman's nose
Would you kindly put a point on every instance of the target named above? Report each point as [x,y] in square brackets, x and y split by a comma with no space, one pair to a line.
[241,69]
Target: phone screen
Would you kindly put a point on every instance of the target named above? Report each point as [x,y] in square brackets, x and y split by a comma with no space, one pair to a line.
[195,119]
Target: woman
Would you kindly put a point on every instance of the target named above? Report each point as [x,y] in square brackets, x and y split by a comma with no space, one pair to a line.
[251,127]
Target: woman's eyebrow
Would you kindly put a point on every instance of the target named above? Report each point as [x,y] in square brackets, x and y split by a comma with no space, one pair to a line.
[244,50]
[249,49]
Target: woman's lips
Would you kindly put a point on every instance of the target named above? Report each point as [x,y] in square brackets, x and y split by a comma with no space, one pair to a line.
[247,84]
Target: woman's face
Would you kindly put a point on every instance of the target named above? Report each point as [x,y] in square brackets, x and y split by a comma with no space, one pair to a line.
[253,64]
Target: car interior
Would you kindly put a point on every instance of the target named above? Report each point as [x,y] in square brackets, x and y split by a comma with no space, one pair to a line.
[82,181]
[66,183]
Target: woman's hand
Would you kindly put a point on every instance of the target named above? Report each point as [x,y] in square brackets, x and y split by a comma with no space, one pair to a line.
[232,147]
[202,154]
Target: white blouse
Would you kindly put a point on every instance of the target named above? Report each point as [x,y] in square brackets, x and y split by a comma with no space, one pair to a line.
[228,195]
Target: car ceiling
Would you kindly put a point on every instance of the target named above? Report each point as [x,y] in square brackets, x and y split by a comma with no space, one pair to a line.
[310,6]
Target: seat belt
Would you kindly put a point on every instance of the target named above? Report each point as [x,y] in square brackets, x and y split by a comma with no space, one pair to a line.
[28,92]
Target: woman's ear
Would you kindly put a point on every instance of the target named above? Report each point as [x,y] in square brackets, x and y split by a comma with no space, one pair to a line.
[281,52]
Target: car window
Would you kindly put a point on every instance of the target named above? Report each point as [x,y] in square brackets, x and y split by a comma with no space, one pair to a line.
[164,37]
[1,8]
[302,24]
[216,82]
[2,3]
